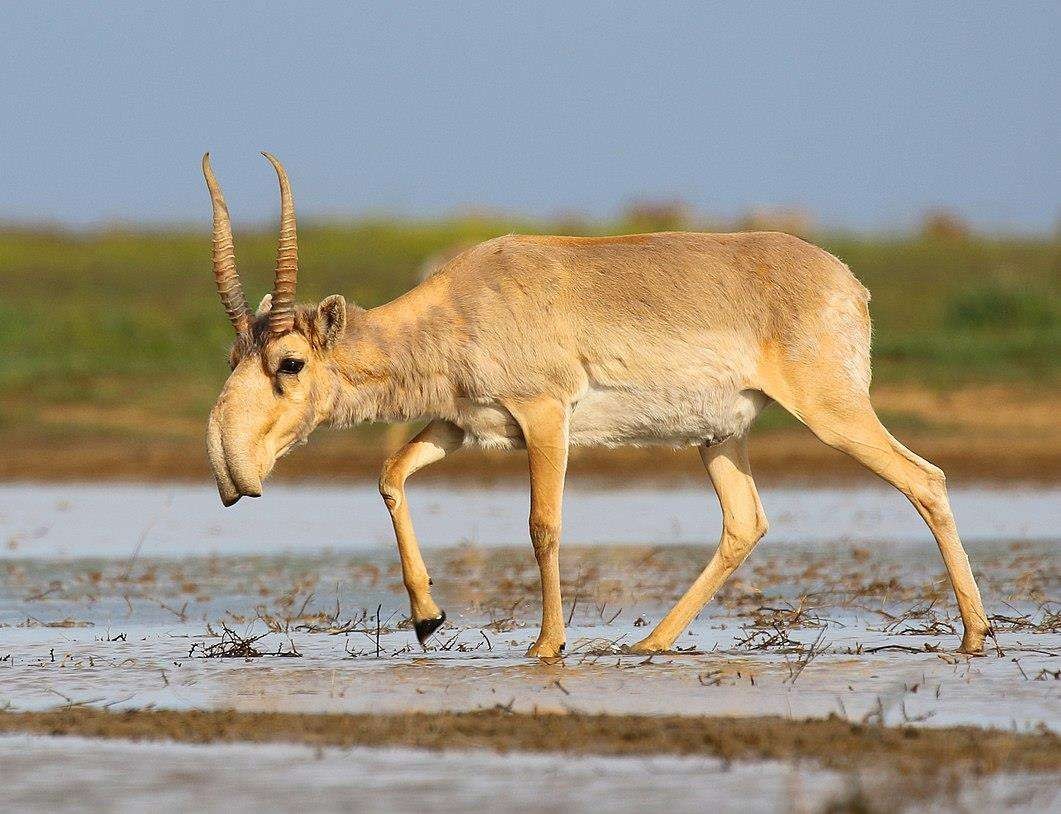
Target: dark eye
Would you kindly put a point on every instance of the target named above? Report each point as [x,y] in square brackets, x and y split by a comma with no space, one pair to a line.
[291,365]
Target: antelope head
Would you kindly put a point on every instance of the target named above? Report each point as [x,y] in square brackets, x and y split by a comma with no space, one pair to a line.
[283,382]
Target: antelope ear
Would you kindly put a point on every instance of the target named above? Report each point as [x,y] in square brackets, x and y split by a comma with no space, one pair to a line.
[265,306]
[331,319]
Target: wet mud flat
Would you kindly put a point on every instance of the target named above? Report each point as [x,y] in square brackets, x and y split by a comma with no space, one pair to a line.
[513,762]
[831,743]
[806,633]
[847,766]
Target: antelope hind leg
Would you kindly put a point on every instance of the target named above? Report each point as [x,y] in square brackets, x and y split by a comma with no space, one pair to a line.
[855,429]
[743,525]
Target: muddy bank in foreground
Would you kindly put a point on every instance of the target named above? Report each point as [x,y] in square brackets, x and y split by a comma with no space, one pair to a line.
[832,743]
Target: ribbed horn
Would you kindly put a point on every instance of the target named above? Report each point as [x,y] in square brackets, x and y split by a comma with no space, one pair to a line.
[224,256]
[282,313]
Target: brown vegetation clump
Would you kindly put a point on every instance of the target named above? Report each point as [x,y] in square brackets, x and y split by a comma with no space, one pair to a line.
[942,224]
[648,215]
[793,220]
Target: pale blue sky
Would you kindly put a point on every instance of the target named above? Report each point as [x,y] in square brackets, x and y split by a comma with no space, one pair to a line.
[865,113]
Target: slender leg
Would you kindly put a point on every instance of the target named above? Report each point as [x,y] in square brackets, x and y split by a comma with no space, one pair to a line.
[855,429]
[432,444]
[743,525]
[544,425]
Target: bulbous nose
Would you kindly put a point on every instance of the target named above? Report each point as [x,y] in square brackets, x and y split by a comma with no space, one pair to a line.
[234,477]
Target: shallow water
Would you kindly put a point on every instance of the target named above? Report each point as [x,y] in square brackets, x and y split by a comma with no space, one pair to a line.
[114,520]
[115,596]
[100,606]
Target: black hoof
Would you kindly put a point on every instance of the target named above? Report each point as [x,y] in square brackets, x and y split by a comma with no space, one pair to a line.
[425,628]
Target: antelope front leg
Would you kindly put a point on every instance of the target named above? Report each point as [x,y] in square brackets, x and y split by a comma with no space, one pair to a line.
[544,425]
[433,443]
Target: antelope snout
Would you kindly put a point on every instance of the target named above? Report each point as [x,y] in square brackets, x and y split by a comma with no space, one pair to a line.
[236,477]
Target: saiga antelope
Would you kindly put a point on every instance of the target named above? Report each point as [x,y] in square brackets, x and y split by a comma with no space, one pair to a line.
[547,342]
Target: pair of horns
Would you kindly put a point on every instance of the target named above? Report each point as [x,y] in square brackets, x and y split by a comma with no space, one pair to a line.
[282,313]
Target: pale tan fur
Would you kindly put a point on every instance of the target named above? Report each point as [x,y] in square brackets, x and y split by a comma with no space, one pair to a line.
[545,342]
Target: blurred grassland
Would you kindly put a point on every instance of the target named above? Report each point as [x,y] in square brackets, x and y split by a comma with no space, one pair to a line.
[120,332]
